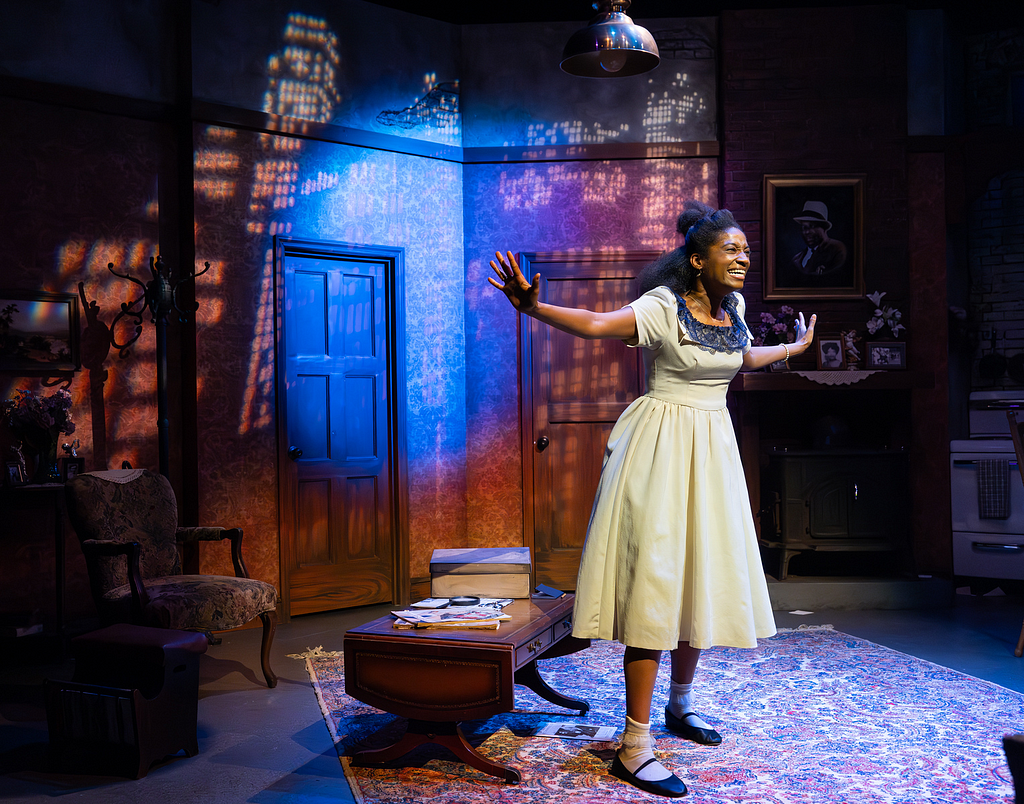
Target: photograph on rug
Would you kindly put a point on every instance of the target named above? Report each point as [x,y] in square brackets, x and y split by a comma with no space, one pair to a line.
[814,715]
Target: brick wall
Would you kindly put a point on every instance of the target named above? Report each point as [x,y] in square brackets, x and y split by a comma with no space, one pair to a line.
[996,258]
[820,90]
[990,61]
[995,241]
[825,91]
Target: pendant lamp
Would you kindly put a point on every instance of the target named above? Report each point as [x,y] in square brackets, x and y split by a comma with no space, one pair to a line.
[611,46]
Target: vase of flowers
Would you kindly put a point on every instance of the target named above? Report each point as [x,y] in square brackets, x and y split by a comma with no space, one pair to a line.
[39,421]
[884,316]
[775,328]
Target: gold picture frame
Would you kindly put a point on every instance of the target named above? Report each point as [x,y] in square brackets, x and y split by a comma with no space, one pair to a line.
[813,236]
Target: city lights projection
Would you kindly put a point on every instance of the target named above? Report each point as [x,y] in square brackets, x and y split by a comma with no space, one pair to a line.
[665,113]
[521,98]
[271,190]
[635,201]
[302,79]
[437,110]
[302,91]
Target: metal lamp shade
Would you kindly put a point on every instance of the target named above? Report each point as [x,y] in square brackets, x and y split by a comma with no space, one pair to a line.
[610,47]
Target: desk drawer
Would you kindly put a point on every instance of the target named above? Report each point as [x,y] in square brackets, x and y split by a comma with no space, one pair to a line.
[537,645]
[533,648]
[562,628]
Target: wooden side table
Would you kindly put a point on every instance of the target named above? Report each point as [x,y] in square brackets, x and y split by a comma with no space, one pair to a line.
[438,677]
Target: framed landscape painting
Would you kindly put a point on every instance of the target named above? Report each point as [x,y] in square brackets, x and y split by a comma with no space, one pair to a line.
[38,332]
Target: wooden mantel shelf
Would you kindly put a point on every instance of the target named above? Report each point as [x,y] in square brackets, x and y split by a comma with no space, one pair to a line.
[792,381]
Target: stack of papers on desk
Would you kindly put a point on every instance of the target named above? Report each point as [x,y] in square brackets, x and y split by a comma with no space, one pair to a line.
[454,617]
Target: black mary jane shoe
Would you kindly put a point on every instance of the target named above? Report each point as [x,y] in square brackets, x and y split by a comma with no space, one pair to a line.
[672,787]
[678,725]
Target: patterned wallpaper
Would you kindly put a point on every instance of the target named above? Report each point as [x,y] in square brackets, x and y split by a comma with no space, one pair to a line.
[252,186]
[570,206]
[79,190]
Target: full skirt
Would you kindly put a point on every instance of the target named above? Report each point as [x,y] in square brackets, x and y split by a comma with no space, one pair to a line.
[671,552]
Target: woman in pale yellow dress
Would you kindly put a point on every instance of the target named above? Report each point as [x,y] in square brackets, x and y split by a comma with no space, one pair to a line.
[671,560]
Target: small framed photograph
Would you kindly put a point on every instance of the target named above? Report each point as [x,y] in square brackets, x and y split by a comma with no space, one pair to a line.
[13,475]
[71,467]
[778,365]
[891,355]
[831,355]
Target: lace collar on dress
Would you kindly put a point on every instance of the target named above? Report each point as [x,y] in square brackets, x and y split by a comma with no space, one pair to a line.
[712,338]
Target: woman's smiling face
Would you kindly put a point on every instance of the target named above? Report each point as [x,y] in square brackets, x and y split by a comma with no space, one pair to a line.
[725,266]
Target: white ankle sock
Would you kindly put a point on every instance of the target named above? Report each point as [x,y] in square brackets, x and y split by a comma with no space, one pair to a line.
[680,702]
[638,747]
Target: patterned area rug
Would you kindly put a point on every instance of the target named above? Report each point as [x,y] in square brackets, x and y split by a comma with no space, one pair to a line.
[810,716]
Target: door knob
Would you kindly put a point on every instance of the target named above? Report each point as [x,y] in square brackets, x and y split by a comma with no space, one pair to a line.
[294,453]
[542,443]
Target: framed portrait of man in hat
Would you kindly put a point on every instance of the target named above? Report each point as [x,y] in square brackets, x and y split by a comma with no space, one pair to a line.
[813,236]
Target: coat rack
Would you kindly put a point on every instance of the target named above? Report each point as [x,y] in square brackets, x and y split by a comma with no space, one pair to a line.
[160,297]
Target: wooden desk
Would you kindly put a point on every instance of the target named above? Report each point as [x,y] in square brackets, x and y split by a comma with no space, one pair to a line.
[438,677]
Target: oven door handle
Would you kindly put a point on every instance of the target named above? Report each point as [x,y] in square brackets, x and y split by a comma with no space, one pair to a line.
[1011,462]
[987,547]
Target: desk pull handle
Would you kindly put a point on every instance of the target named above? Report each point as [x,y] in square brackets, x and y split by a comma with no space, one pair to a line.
[567,625]
[535,646]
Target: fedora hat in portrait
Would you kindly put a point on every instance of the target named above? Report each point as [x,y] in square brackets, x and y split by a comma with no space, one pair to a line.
[814,212]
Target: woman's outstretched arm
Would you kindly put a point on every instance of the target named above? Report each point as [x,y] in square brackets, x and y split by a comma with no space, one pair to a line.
[760,356]
[523,296]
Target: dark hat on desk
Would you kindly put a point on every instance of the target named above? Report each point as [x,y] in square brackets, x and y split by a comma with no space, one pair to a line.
[814,212]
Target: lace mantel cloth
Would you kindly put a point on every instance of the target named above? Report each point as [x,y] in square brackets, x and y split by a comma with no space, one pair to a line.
[836,377]
[117,475]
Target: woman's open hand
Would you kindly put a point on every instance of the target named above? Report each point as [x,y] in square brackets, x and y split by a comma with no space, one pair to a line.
[804,332]
[523,295]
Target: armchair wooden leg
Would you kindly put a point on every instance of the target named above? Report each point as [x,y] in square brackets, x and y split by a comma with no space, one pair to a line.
[269,627]
[1020,644]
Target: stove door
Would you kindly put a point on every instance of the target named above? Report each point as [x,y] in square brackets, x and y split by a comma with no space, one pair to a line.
[963,476]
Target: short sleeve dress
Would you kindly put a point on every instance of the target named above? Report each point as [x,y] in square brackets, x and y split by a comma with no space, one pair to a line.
[671,553]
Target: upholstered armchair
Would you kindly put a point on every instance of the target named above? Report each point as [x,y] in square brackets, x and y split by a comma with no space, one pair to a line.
[127,523]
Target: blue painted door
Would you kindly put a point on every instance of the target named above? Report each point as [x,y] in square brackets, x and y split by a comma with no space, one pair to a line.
[337,529]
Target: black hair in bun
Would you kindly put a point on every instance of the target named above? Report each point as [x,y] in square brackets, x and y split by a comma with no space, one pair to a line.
[702,226]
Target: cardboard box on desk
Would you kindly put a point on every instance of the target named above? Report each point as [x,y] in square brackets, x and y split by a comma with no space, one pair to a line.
[481,571]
